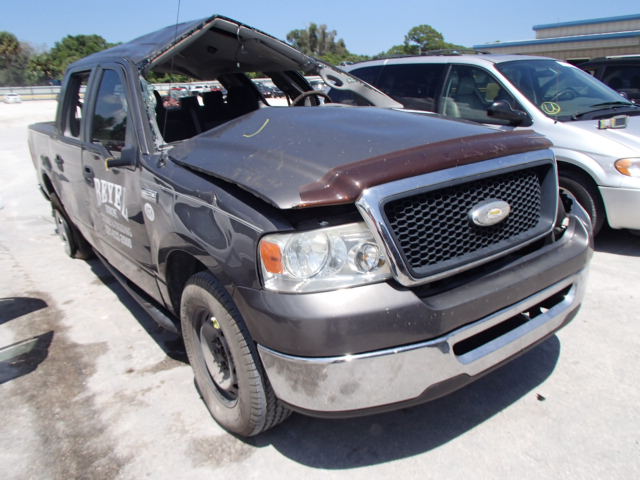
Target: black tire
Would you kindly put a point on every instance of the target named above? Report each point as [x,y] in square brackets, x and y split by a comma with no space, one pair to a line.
[74,243]
[225,362]
[586,193]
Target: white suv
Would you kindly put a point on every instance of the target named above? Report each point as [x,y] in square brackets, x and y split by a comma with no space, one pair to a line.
[595,131]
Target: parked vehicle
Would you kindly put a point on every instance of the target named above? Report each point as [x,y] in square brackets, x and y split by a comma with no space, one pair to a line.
[595,132]
[621,73]
[12,98]
[325,259]
[265,90]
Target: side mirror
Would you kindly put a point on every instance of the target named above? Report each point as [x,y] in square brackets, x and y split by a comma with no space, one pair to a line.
[128,158]
[504,111]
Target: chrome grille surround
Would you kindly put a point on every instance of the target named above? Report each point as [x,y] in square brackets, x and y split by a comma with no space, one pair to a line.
[373,201]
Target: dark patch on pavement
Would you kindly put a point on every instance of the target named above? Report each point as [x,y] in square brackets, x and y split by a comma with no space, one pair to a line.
[55,399]
[219,450]
[166,363]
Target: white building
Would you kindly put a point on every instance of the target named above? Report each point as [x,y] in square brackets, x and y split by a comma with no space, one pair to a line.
[579,40]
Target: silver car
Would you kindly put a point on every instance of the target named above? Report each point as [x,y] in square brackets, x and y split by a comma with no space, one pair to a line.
[595,131]
[12,98]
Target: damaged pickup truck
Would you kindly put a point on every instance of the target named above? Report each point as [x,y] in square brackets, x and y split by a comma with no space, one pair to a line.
[321,258]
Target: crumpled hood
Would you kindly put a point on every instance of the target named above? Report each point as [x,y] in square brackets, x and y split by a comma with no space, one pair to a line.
[290,156]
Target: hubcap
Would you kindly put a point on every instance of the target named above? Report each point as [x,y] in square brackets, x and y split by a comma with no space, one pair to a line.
[217,357]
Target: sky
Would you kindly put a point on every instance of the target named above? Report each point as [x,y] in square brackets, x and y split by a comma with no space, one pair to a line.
[367,27]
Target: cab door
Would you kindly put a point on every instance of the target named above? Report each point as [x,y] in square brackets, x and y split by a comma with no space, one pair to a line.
[66,151]
[113,194]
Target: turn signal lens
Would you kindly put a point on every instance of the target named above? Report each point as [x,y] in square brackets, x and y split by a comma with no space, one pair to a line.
[271,257]
[628,166]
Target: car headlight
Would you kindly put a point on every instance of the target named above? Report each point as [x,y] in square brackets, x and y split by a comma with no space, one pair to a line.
[628,166]
[322,259]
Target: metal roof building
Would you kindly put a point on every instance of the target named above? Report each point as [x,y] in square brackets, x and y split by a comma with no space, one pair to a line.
[579,40]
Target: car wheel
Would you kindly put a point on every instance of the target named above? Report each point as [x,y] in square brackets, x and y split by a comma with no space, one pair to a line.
[74,243]
[586,193]
[63,231]
[225,362]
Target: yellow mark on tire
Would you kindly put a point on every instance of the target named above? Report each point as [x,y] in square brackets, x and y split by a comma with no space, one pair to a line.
[249,135]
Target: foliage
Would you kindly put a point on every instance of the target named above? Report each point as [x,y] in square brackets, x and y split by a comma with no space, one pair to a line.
[14,58]
[318,41]
[70,49]
[420,40]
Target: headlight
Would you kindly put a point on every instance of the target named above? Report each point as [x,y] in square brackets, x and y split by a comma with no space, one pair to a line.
[322,259]
[628,166]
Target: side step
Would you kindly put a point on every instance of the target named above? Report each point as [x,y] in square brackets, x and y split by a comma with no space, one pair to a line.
[158,313]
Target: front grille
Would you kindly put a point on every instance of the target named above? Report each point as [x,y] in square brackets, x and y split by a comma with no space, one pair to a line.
[433,231]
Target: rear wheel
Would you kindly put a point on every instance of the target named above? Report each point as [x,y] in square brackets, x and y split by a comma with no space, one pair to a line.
[225,361]
[586,193]
[74,243]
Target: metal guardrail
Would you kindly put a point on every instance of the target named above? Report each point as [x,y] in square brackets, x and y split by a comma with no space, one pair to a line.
[49,92]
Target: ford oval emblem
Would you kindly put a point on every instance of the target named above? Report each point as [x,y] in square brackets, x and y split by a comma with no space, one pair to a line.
[489,212]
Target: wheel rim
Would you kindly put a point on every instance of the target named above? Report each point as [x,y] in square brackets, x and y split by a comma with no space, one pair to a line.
[217,357]
[62,229]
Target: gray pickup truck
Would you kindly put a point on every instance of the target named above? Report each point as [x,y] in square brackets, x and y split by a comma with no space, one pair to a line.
[321,258]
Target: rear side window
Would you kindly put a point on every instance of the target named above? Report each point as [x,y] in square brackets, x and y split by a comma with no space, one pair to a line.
[74,104]
[416,86]
[625,79]
[109,123]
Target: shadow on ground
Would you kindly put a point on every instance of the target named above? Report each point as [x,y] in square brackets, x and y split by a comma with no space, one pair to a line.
[620,242]
[14,307]
[24,357]
[340,444]
[169,342]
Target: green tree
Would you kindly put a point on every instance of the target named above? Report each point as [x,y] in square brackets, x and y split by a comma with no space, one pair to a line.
[70,49]
[423,38]
[318,41]
[420,40]
[14,58]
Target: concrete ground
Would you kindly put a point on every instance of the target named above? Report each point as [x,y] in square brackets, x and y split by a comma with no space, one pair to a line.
[91,388]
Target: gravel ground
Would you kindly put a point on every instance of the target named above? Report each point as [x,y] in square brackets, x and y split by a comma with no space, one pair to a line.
[91,388]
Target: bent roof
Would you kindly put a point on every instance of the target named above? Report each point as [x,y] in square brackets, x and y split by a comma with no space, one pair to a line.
[145,49]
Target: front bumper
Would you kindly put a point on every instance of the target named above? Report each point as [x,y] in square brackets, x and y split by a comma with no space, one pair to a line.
[622,205]
[406,373]
[349,383]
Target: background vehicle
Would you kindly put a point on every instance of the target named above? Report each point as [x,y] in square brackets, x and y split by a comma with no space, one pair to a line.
[595,132]
[12,98]
[620,73]
[326,259]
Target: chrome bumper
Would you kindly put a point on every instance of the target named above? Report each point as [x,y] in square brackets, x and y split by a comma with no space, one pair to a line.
[374,379]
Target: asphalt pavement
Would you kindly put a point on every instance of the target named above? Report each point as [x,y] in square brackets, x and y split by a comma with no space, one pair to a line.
[90,387]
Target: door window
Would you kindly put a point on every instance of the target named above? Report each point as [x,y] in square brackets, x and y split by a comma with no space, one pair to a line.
[74,104]
[468,93]
[109,123]
[413,85]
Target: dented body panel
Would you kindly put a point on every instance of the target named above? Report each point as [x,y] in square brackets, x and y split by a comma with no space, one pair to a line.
[162,192]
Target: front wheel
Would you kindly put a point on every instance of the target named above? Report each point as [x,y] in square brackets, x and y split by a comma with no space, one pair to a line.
[225,361]
[587,195]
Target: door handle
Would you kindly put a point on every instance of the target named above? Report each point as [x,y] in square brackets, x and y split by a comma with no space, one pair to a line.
[59,162]
[88,174]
